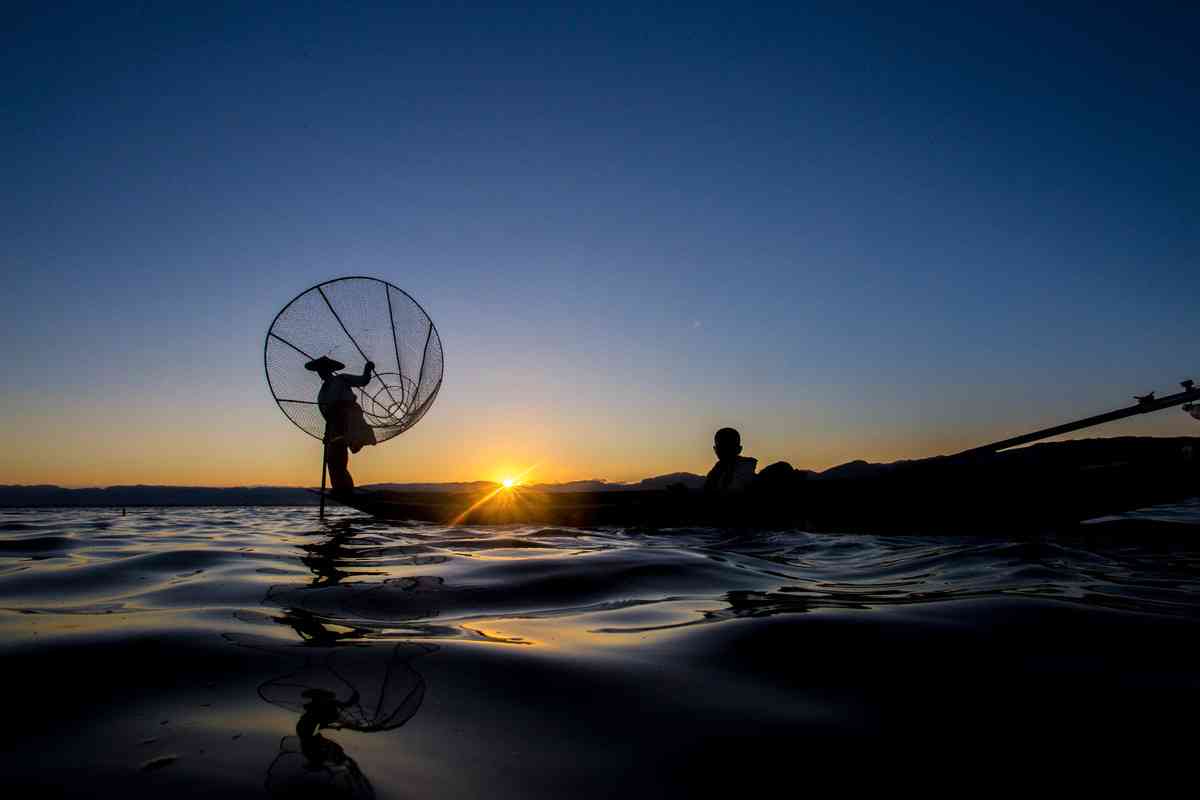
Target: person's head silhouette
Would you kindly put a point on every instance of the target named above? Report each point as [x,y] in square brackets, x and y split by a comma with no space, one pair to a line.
[733,471]
[727,444]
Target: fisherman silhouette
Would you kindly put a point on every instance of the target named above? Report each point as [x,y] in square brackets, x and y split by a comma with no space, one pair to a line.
[346,431]
[733,472]
[322,709]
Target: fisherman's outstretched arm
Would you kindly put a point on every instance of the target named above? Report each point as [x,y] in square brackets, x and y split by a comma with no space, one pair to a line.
[365,378]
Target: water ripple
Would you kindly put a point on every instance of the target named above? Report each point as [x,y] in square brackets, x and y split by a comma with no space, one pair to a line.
[361,579]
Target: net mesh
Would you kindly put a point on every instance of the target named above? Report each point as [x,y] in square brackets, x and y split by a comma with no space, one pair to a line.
[355,320]
[361,688]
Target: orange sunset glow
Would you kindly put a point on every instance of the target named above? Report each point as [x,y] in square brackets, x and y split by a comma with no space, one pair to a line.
[254,445]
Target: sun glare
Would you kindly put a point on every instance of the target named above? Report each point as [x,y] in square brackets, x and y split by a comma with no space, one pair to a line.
[509,483]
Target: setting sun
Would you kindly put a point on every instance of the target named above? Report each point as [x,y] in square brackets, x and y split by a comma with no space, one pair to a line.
[509,483]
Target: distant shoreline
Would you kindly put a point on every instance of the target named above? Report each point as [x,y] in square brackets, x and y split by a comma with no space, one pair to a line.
[1098,450]
[145,507]
[151,497]
[148,496]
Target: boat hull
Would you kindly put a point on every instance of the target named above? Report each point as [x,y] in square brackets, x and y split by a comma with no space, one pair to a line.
[1041,487]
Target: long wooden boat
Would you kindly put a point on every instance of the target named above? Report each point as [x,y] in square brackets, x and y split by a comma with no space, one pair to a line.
[1048,485]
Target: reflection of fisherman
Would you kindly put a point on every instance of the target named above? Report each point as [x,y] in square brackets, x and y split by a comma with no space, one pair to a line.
[325,769]
[364,689]
[327,558]
[321,710]
[345,429]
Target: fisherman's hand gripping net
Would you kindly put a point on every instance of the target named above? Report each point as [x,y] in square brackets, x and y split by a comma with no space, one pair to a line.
[355,320]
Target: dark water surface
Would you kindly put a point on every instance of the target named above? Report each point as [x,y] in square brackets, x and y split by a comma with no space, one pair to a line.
[260,651]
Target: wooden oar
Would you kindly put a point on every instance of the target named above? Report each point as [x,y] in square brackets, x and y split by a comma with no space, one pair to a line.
[324,469]
[1144,405]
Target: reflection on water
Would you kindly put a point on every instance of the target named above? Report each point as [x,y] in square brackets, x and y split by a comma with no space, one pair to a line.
[355,688]
[554,651]
[510,585]
[358,687]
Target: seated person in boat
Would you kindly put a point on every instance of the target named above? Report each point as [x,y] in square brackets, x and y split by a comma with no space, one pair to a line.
[733,472]
[345,429]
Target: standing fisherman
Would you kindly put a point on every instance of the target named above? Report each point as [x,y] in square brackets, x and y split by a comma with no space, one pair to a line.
[345,429]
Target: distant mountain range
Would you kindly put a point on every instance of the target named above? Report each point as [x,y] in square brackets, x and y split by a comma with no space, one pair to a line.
[18,496]
[1073,454]
[688,479]
[50,496]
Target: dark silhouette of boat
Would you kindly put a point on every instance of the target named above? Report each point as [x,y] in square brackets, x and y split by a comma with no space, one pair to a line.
[997,486]
[1045,486]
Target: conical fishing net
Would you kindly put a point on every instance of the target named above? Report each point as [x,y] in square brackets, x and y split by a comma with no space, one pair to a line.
[355,320]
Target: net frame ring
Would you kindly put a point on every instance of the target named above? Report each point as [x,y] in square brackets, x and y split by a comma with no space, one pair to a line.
[394,405]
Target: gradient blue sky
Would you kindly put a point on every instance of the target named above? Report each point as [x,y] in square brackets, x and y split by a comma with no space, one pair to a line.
[849,232]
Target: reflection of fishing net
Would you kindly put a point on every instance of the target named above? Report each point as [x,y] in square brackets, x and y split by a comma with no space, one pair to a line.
[362,688]
[355,320]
